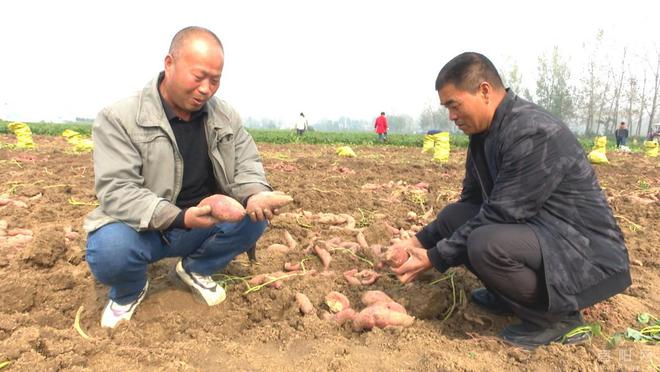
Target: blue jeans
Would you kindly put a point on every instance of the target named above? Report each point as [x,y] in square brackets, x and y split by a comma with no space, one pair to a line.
[118,255]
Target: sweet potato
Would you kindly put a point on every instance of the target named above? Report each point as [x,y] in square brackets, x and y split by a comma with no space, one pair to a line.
[391,229]
[304,304]
[288,266]
[394,306]
[278,248]
[350,221]
[290,241]
[381,317]
[353,246]
[372,297]
[367,277]
[278,199]
[350,277]
[361,240]
[224,208]
[336,302]
[396,256]
[324,256]
[344,316]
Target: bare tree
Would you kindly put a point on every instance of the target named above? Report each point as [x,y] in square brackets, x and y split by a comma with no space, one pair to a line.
[588,94]
[642,102]
[614,113]
[602,97]
[631,98]
[654,102]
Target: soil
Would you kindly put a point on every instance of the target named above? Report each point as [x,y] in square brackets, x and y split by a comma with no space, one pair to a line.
[46,280]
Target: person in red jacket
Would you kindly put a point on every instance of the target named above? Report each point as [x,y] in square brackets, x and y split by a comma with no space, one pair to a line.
[381,127]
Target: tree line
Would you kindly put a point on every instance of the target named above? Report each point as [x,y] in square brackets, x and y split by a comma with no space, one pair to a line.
[592,97]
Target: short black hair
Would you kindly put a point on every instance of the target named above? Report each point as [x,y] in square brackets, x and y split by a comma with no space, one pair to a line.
[466,71]
[186,33]
[382,113]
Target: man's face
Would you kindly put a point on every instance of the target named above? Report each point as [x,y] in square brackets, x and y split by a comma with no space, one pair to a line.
[469,111]
[193,75]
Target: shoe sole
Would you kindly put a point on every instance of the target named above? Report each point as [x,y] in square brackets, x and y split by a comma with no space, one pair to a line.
[575,340]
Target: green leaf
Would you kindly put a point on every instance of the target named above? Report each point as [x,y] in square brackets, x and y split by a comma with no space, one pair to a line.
[644,318]
[615,340]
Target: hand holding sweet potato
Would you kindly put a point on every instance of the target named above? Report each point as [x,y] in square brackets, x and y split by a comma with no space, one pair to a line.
[224,208]
[264,205]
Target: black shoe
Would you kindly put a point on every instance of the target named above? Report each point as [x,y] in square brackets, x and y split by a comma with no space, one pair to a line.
[529,336]
[489,302]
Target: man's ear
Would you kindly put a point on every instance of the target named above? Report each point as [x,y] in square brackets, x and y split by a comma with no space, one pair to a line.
[485,90]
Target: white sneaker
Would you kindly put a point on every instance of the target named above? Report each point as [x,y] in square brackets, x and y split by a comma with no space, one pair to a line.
[204,286]
[115,313]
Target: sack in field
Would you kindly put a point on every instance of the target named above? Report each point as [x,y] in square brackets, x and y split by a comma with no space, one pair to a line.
[597,154]
[651,149]
[346,151]
[77,142]
[441,148]
[23,135]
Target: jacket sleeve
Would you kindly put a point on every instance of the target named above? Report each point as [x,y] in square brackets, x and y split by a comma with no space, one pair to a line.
[533,164]
[429,236]
[249,174]
[118,181]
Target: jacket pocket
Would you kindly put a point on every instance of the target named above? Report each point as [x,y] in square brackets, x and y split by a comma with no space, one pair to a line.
[158,164]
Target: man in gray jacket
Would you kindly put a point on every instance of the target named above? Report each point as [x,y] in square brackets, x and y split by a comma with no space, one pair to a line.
[532,222]
[157,154]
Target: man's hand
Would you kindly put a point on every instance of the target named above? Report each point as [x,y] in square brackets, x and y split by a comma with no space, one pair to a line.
[199,218]
[264,205]
[416,264]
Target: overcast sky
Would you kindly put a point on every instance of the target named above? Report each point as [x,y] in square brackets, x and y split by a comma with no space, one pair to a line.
[66,59]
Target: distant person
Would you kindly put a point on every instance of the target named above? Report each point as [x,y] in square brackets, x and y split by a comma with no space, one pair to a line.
[157,154]
[621,135]
[301,124]
[381,127]
[531,223]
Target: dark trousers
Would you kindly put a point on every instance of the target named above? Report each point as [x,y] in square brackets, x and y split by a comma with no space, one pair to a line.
[507,259]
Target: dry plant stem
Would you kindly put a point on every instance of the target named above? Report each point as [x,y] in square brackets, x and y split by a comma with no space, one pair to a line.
[449,276]
[76,324]
[345,250]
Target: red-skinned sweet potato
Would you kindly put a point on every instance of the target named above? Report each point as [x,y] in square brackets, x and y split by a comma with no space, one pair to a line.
[372,297]
[381,317]
[304,304]
[396,256]
[336,302]
[224,208]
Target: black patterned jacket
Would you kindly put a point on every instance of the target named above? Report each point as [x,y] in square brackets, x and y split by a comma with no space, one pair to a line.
[537,173]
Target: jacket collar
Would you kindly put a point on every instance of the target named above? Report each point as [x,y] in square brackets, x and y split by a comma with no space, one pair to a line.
[502,110]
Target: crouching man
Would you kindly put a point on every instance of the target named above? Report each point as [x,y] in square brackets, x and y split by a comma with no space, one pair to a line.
[157,154]
[532,222]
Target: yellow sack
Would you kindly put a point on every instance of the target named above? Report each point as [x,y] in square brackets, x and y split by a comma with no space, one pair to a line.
[598,153]
[77,142]
[23,135]
[429,142]
[441,148]
[346,151]
[651,149]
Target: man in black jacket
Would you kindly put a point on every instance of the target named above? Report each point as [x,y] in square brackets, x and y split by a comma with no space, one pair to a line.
[532,222]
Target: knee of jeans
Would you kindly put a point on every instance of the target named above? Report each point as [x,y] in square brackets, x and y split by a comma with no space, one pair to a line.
[107,262]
